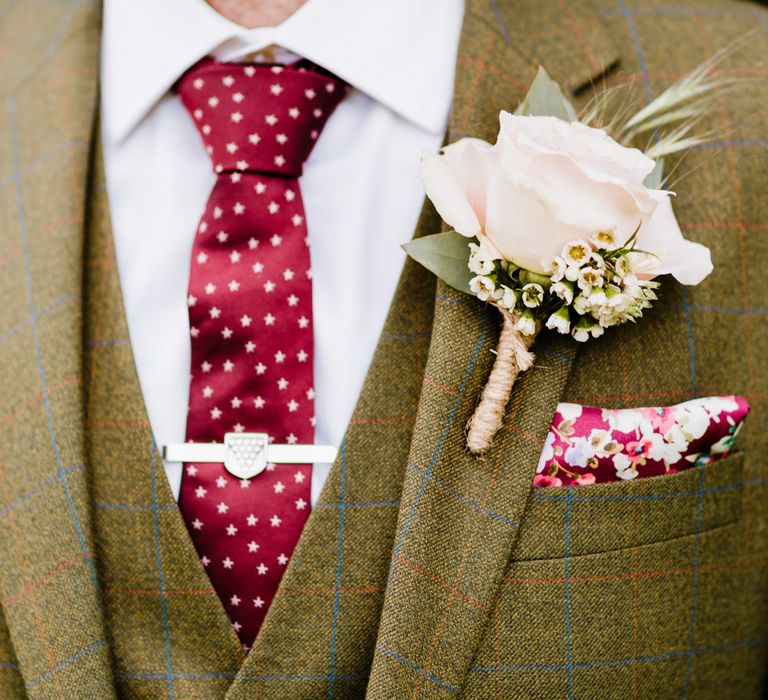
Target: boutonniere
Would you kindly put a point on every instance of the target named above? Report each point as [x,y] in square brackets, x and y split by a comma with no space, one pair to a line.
[561,225]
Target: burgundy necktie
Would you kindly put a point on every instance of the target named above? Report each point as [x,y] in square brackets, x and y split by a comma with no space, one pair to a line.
[250,312]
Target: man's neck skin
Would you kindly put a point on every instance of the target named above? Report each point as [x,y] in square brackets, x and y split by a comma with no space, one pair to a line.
[256,13]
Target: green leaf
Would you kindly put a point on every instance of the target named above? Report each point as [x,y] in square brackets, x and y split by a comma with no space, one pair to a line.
[655,179]
[446,255]
[528,277]
[546,99]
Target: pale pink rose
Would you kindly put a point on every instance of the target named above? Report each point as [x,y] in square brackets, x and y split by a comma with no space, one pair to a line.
[547,182]
[546,480]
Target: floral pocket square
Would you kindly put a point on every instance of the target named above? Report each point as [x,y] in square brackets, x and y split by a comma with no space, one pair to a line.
[588,445]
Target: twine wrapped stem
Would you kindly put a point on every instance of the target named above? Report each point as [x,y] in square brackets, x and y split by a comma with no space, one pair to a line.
[512,357]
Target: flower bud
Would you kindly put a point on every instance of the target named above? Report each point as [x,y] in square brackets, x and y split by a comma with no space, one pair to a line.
[526,324]
[560,320]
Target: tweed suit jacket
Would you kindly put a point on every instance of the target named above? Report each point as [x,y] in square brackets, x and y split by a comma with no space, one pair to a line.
[422,572]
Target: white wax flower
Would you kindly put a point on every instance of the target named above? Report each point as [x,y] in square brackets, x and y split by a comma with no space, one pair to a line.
[482,287]
[533,295]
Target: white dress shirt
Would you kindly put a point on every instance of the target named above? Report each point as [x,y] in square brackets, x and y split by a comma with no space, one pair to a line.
[361,186]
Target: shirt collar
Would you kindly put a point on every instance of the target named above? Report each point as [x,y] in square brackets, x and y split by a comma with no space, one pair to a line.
[396,51]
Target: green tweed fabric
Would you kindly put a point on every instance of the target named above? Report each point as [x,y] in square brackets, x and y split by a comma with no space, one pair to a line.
[155,588]
[422,572]
[49,586]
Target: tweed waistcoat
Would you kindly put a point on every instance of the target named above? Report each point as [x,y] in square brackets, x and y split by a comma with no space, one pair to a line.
[422,572]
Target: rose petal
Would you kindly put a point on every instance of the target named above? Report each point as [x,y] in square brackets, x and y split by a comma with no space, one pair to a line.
[600,157]
[444,189]
[687,261]
[455,183]
[578,202]
[522,227]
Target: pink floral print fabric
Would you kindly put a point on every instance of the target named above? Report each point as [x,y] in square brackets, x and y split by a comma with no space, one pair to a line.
[589,445]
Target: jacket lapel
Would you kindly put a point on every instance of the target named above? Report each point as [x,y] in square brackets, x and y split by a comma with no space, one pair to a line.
[459,516]
[48,585]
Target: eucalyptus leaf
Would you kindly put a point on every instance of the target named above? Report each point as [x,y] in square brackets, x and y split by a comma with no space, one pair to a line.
[655,179]
[446,255]
[546,99]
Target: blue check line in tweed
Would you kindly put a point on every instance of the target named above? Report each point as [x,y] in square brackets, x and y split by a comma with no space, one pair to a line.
[339,566]
[21,214]
[446,429]
[69,660]
[683,12]
[569,641]
[44,156]
[128,506]
[714,309]
[372,504]
[500,21]
[634,497]
[547,352]
[692,361]
[246,677]
[39,486]
[419,670]
[471,305]
[689,331]
[736,143]
[160,578]
[431,477]
[319,506]
[109,341]
[694,589]
[623,662]
[14,330]
[627,14]
[407,336]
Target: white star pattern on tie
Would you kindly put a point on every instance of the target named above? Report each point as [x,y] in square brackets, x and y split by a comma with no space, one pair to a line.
[250,307]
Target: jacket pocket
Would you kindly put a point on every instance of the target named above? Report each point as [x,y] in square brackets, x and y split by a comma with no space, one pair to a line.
[577,520]
[662,620]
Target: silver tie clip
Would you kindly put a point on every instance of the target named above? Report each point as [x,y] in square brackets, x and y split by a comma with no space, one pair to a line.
[246,455]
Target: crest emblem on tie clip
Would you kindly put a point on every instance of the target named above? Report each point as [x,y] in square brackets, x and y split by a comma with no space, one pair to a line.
[245,454]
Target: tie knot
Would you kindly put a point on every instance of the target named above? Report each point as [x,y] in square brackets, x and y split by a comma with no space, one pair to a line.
[259,118]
